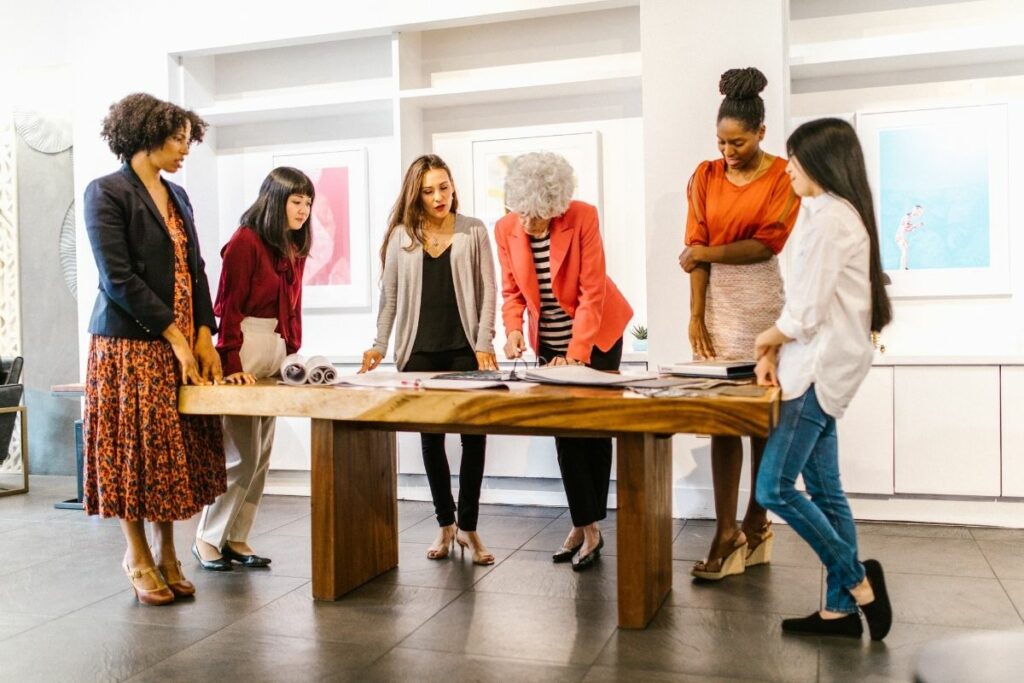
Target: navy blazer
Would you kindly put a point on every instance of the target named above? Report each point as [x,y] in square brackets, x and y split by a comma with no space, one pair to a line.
[135,257]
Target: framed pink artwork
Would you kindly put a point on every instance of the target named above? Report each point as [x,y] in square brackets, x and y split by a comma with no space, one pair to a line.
[338,268]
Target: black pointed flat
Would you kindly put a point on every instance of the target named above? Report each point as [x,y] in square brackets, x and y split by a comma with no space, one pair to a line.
[252,561]
[584,562]
[565,554]
[221,564]
[848,626]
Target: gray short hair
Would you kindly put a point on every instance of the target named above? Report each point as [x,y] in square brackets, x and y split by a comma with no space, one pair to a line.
[539,185]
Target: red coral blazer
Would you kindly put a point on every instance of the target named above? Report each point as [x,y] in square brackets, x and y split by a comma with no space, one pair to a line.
[598,310]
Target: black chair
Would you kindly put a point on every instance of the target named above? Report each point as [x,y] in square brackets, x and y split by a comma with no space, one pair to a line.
[11,392]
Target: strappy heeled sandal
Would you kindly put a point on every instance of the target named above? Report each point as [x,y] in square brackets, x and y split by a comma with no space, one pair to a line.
[733,563]
[161,595]
[447,545]
[480,557]
[762,552]
[180,586]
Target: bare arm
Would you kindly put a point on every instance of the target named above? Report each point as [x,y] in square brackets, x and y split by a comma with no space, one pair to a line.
[738,253]
[700,340]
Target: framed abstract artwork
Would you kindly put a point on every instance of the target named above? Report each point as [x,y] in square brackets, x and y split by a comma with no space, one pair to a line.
[338,268]
[491,159]
[939,178]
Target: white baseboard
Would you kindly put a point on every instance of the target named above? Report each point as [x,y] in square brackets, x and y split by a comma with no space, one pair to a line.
[698,503]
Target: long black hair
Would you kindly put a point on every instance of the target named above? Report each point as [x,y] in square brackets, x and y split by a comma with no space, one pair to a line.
[268,217]
[829,153]
[743,103]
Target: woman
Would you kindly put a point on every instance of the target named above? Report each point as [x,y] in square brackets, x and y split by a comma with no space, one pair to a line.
[152,328]
[259,303]
[835,299]
[552,266]
[438,282]
[741,212]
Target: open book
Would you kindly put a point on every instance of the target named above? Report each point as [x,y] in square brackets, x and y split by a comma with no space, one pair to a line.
[711,368]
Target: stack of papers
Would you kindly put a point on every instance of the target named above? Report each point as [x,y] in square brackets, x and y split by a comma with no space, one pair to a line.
[581,375]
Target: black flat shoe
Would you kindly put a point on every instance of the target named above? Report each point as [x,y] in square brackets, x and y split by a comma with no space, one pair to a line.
[253,561]
[878,612]
[222,564]
[583,562]
[565,554]
[848,626]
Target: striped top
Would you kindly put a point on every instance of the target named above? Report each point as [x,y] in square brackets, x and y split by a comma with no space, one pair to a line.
[555,323]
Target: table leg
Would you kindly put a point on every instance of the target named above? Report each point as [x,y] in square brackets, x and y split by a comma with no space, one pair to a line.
[644,489]
[355,506]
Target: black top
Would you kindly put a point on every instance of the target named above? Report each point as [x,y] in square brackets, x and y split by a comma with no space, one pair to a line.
[440,327]
[135,258]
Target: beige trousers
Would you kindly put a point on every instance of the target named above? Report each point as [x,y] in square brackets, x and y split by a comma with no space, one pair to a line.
[247,444]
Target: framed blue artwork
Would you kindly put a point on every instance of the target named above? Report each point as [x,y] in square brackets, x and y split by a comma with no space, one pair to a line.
[939,179]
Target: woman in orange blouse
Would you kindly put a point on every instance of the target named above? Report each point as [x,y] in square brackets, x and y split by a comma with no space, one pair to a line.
[741,212]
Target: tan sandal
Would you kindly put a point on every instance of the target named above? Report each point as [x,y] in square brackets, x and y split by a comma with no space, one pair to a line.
[731,564]
[443,546]
[161,595]
[762,552]
[176,581]
[481,555]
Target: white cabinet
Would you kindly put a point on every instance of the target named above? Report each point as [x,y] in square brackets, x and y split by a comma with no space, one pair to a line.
[1012,393]
[866,436]
[947,430]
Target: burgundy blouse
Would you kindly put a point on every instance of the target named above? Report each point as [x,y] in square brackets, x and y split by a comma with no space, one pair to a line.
[254,282]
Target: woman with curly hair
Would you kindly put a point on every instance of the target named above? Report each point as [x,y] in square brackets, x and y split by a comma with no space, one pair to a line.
[152,327]
[437,282]
[552,267]
[741,210]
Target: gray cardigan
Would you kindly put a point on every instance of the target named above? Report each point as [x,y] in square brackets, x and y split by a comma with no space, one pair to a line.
[402,287]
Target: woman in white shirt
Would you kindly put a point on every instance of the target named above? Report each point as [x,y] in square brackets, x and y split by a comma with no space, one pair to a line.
[819,351]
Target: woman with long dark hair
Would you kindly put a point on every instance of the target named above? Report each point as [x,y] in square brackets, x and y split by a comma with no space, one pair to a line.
[259,302]
[438,285]
[819,351]
[741,211]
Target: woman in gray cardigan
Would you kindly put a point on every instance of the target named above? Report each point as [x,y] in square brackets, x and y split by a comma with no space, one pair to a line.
[438,284]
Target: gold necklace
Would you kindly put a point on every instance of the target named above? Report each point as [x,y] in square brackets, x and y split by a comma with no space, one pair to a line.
[434,238]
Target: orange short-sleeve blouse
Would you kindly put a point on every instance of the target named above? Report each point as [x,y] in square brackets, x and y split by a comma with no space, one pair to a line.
[720,212]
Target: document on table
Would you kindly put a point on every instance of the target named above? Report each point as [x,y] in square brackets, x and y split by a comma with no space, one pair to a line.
[385,380]
[581,375]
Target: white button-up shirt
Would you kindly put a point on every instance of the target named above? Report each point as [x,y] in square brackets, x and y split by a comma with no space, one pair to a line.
[828,305]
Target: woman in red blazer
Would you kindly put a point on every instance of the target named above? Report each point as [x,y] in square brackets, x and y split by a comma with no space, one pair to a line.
[552,266]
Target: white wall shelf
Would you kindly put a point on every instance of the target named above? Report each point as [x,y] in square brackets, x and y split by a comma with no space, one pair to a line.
[299,103]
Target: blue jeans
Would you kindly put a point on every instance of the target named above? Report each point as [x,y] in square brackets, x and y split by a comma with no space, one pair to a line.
[804,442]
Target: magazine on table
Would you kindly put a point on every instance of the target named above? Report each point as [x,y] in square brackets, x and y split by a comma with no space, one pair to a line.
[711,368]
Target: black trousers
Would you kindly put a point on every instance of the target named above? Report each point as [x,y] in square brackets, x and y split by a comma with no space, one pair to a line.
[586,464]
[435,460]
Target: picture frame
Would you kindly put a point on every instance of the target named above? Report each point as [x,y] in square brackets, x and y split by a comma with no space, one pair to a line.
[939,178]
[337,272]
[491,159]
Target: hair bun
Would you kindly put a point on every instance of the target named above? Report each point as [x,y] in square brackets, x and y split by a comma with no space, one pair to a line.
[742,84]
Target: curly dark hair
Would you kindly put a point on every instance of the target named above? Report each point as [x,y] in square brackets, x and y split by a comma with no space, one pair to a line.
[742,102]
[141,122]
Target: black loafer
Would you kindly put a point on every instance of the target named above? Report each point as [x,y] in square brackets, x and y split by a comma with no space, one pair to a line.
[878,612]
[848,626]
[244,560]
[565,554]
[221,564]
[583,562]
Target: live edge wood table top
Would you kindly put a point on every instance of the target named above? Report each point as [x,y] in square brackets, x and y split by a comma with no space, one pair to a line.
[354,462]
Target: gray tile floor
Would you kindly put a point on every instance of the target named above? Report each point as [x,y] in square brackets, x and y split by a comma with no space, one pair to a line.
[67,613]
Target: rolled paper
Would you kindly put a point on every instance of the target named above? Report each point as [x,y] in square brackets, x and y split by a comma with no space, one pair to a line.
[320,370]
[293,370]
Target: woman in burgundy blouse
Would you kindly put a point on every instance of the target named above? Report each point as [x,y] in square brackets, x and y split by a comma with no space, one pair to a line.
[259,302]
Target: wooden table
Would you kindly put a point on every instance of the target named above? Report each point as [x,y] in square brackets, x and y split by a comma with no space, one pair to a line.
[354,463]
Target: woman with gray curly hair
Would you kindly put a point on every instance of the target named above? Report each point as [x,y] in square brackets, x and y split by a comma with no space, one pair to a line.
[552,267]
